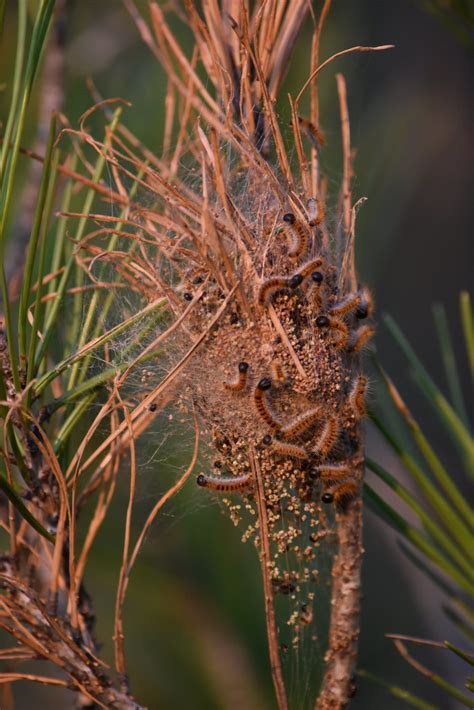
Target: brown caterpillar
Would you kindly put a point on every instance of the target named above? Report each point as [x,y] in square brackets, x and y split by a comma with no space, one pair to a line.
[341,495]
[276,283]
[290,450]
[236,387]
[332,473]
[345,493]
[360,337]
[326,323]
[261,405]
[313,132]
[301,423]
[277,371]
[327,438]
[366,307]
[357,395]
[314,291]
[300,236]
[224,483]
[351,301]
[309,267]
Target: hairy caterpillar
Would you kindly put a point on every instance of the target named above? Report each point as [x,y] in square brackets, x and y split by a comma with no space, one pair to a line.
[290,450]
[224,483]
[349,303]
[360,337]
[326,323]
[300,424]
[261,405]
[366,305]
[357,395]
[327,438]
[236,387]
[277,371]
[341,495]
[299,244]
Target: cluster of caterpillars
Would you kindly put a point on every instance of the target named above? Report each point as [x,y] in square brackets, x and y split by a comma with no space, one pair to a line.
[339,320]
[336,478]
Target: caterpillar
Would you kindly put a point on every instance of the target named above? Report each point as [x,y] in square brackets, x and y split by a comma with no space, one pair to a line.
[299,244]
[332,473]
[224,483]
[261,405]
[351,301]
[359,338]
[310,267]
[357,395]
[366,306]
[301,423]
[277,371]
[313,132]
[341,495]
[290,450]
[345,493]
[326,323]
[314,292]
[238,386]
[327,438]
[276,283]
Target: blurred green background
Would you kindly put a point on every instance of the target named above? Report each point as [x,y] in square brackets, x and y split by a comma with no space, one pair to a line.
[195,636]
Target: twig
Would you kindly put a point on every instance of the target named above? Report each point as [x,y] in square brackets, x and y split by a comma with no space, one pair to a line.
[341,656]
[275,663]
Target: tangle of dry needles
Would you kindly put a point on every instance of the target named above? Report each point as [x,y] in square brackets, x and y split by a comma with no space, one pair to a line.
[264,319]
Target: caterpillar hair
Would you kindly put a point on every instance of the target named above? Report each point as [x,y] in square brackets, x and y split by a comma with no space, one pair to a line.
[236,387]
[300,236]
[327,438]
[349,303]
[290,450]
[357,395]
[224,483]
[326,323]
[301,423]
[261,405]
[360,337]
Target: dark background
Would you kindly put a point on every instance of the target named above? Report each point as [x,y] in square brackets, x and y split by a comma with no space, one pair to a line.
[193,618]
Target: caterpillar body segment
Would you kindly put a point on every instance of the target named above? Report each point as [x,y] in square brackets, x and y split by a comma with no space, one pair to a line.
[328,437]
[300,423]
[261,404]
[357,396]
[239,385]
[299,234]
[334,324]
[348,304]
[291,450]
[359,338]
[224,483]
